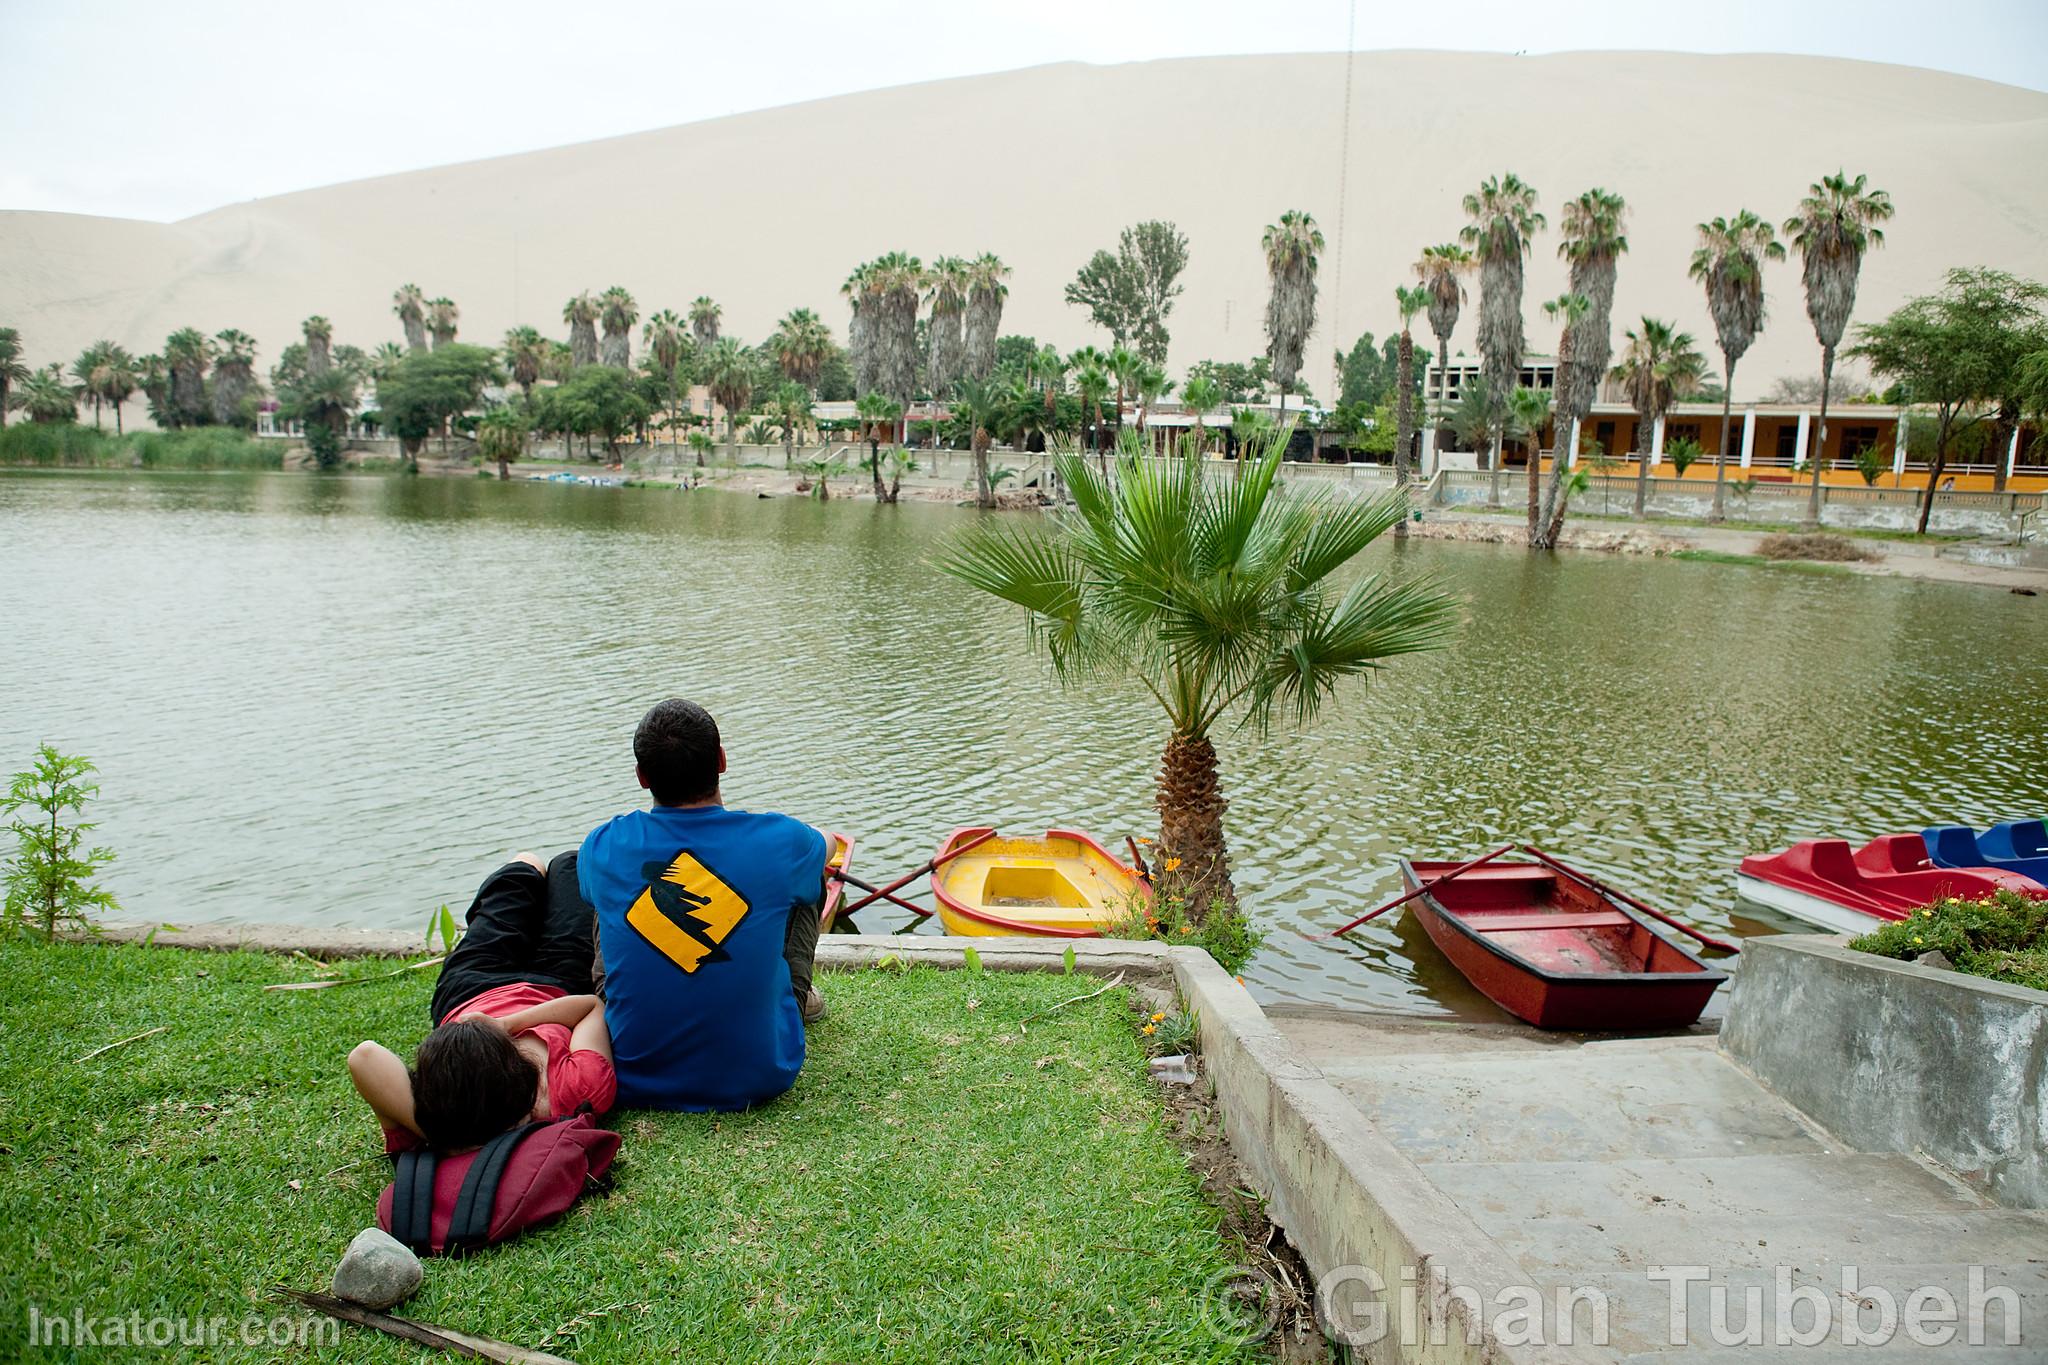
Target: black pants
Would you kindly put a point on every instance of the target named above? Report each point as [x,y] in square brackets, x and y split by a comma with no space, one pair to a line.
[523,926]
[526,926]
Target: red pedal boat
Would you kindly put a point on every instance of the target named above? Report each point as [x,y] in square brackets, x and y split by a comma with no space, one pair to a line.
[1549,948]
[1824,882]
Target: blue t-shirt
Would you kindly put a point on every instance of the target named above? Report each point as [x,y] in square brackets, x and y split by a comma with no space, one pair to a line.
[693,905]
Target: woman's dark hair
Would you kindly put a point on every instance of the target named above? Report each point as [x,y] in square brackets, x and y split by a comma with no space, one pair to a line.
[469,1084]
[676,748]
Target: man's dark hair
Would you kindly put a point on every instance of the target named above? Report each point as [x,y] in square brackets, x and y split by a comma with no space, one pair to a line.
[469,1084]
[676,748]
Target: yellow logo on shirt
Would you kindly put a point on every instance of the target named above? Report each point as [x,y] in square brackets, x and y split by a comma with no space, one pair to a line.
[686,911]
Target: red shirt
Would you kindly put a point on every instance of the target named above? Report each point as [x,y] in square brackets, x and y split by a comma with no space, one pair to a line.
[576,1076]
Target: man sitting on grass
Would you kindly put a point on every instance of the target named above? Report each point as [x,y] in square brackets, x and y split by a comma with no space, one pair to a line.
[519,1036]
[708,923]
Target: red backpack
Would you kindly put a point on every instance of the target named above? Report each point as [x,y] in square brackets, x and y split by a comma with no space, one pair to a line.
[452,1205]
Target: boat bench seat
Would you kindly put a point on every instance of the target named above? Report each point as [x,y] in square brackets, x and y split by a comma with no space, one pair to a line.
[1501,921]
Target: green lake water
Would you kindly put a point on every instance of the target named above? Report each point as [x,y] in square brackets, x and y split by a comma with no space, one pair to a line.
[343,700]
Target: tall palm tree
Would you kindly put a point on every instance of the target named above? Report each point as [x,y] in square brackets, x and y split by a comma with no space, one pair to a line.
[1199,395]
[1565,313]
[878,414]
[1659,365]
[1049,370]
[234,374]
[863,301]
[980,404]
[1218,600]
[802,344]
[386,359]
[704,316]
[729,373]
[1729,262]
[985,294]
[1123,365]
[581,313]
[1504,218]
[442,316]
[91,361]
[1442,270]
[1835,226]
[187,353]
[792,411]
[1410,302]
[319,334]
[1152,385]
[411,306]
[1291,247]
[524,351]
[665,334]
[946,303]
[896,283]
[1592,228]
[1528,410]
[46,397]
[1091,382]
[13,369]
[617,314]
[109,379]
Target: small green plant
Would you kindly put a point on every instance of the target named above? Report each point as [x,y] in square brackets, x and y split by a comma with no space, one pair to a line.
[1223,933]
[1000,475]
[1683,452]
[1871,463]
[2003,937]
[49,879]
[444,923]
[1169,1031]
[323,443]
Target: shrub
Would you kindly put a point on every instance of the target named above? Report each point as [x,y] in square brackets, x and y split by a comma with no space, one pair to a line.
[205,448]
[323,442]
[2003,937]
[58,445]
[1683,452]
[1223,933]
[48,879]
[1835,549]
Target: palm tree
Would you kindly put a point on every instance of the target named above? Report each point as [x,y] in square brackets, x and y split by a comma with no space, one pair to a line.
[863,301]
[1091,382]
[985,294]
[1528,410]
[46,398]
[1215,598]
[524,351]
[1836,224]
[980,404]
[947,283]
[89,363]
[106,375]
[617,312]
[13,369]
[234,374]
[792,409]
[878,414]
[729,374]
[319,333]
[1291,246]
[1442,270]
[1565,313]
[326,400]
[411,306]
[442,315]
[896,282]
[802,344]
[665,334]
[1729,261]
[501,437]
[1123,365]
[1410,302]
[704,315]
[187,353]
[581,313]
[1659,365]
[1199,395]
[385,359]
[1504,217]
[1591,227]
[1152,385]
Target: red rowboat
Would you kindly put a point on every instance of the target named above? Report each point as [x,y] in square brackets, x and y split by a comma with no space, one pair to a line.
[1549,948]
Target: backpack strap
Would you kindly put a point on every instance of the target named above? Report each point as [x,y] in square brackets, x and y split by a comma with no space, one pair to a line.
[470,1226]
[412,1199]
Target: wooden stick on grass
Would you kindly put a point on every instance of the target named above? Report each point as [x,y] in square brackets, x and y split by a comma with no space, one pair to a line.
[353,980]
[1116,980]
[421,1333]
[123,1042]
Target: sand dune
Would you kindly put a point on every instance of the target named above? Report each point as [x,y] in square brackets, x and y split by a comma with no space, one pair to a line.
[768,211]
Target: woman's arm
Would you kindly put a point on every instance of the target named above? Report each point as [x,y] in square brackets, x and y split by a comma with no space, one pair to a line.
[382,1080]
[593,1034]
[567,1010]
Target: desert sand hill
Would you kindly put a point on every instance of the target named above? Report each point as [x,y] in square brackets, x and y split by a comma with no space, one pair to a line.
[769,211]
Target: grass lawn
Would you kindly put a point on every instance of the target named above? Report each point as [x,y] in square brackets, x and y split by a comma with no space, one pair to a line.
[941,1185]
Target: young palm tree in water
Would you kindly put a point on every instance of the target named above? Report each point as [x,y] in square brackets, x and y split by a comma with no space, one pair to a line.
[1729,262]
[1291,246]
[1658,366]
[1592,227]
[1504,218]
[1410,302]
[411,306]
[1835,227]
[1442,270]
[1217,598]
[1565,312]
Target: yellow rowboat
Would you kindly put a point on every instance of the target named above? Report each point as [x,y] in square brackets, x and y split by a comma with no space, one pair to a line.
[838,858]
[1061,885]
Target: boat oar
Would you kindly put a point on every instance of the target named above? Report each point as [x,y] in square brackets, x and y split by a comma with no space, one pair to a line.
[929,865]
[1433,882]
[856,882]
[1719,945]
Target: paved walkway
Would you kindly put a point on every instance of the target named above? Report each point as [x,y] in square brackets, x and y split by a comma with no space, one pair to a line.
[1591,1161]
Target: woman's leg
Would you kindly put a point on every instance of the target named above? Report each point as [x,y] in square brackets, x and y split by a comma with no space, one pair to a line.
[504,934]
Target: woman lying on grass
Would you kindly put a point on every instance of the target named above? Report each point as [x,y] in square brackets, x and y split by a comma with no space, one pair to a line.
[518,1037]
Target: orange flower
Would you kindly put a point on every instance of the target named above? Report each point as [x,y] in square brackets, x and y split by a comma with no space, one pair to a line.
[1172,864]
[1149,1029]
[1159,1016]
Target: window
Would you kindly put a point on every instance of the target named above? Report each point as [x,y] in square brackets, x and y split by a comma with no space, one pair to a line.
[1856,440]
[1603,432]
[1681,431]
[1788,442]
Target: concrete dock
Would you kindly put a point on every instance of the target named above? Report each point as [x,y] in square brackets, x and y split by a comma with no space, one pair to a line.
[1590,1162]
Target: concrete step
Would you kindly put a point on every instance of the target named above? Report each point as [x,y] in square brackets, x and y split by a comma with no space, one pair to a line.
[1677,1099]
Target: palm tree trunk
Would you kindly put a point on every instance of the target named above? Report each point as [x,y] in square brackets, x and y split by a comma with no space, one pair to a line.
[875,465]
[1934,474]
[1820,440]
[1646,440]
[1496,453]
[117,419]
[1535,446]
[984,495]
[732,440]
[1560,492]
[1194,861]
[1720,512]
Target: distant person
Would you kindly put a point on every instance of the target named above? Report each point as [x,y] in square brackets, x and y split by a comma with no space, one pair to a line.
[518,1034]
[708,925]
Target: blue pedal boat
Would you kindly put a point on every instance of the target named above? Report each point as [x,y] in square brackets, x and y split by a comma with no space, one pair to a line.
[2019,846]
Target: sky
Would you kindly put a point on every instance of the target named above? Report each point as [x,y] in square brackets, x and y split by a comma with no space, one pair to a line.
[141,109]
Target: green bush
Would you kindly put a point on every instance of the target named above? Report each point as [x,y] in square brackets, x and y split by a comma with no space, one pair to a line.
[62,445]
[75,447]
[2003,936]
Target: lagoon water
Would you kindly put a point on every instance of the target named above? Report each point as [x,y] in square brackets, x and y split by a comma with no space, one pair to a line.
[342,700]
